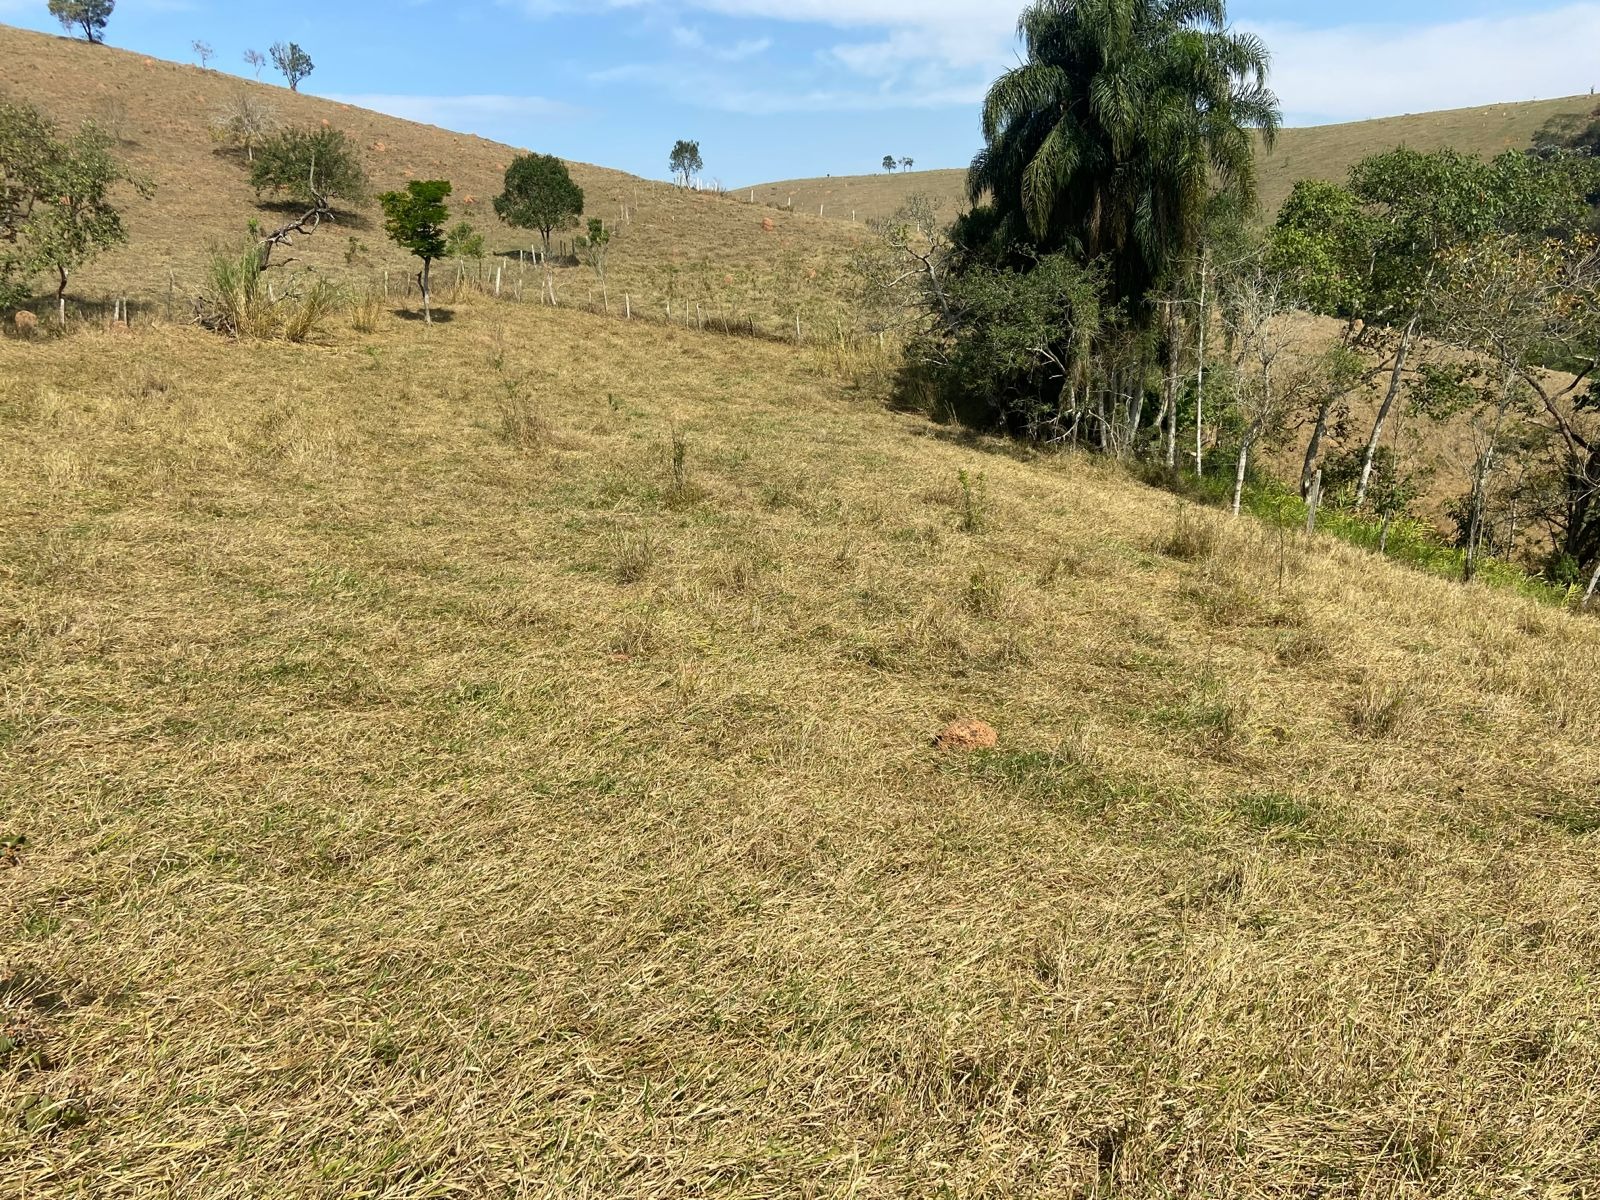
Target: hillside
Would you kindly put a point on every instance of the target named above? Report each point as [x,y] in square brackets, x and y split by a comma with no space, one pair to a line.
[1316,152]
[429,789]
[498,759]
[668,243]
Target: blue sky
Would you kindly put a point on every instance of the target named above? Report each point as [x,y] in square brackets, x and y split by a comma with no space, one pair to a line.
[784,88]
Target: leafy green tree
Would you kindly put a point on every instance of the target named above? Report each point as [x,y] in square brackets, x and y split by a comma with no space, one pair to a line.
[1374,251]
[889,163]
[308,165]
[464,242]
[1111,135]
[27,148]
[90,16]
[56,204]
[685,161]
[1014,350]
[293,63]
[1569,134]
[593,249]
[415,220]
[539,194]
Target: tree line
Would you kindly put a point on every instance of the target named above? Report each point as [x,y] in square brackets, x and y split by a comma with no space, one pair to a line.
[1114,286]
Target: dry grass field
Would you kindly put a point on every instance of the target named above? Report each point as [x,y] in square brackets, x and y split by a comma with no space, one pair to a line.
[495,760]
[1314,152]
[668,243]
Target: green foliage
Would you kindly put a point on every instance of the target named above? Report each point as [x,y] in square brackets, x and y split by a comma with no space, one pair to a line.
[973,501]
[308,165]
[685,161]
[415,218]
[1374,248]
[594,247]
[539,194]
[90,16]
[464,242]
[1017,344]
[293,63]
[236,299]
[1569,135]
[1124,118]
[56,204]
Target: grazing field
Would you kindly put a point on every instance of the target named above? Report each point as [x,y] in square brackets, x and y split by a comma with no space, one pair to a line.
[669,244]
[1314,152]
[495,760]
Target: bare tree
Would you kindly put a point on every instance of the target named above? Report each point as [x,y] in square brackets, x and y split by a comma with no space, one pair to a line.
[204,52]
[243,122]
[255,60]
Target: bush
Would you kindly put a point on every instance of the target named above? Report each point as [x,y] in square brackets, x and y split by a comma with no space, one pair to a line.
[240,301]
[305,164]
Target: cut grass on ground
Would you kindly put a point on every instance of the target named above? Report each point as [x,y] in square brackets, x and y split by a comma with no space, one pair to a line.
[422,801]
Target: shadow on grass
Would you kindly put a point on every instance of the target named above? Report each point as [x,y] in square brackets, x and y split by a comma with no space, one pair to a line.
[441,316]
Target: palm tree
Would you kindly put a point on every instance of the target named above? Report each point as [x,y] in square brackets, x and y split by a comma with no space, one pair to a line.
[1126,117]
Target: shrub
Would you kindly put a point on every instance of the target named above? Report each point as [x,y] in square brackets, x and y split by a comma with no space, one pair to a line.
[1190,540]
[239,300]
[305,165]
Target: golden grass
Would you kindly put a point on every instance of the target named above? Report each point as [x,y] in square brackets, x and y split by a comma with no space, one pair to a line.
[669,245]
[417,809]
[1313,152]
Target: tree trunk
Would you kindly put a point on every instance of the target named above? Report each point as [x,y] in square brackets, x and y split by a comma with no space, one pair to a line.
[1401,354]
[1594,586]
[61,297]
[422,282]
[1480,484]
[1238,476]
[1174,360]
[1314,447]
[1200,384]
[1383,533]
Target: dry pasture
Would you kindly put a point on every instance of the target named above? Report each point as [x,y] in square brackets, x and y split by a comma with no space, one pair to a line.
[418,779]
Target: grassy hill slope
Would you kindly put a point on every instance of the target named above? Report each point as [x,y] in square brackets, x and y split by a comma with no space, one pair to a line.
[1315,152]
[495,759]
[431,789]
[669,243]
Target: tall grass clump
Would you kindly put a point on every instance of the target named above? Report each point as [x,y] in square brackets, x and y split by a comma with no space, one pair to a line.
[240,299]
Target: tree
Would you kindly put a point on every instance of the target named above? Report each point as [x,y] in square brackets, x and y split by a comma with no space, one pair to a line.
[255,60]
[1123,119]
[293,63]
[415,220]
[90,16]
[56,207]
[307,164]
[1513,300]
[1569,134]
[1374,251]
[593,249]
[203,51]
[243,123]
[539,194]
[889,162]
[685,161]
[906,164]
[464,242]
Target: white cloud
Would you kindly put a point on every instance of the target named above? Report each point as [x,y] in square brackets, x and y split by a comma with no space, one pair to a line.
[918,53]
[687,38]
[1358,71]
